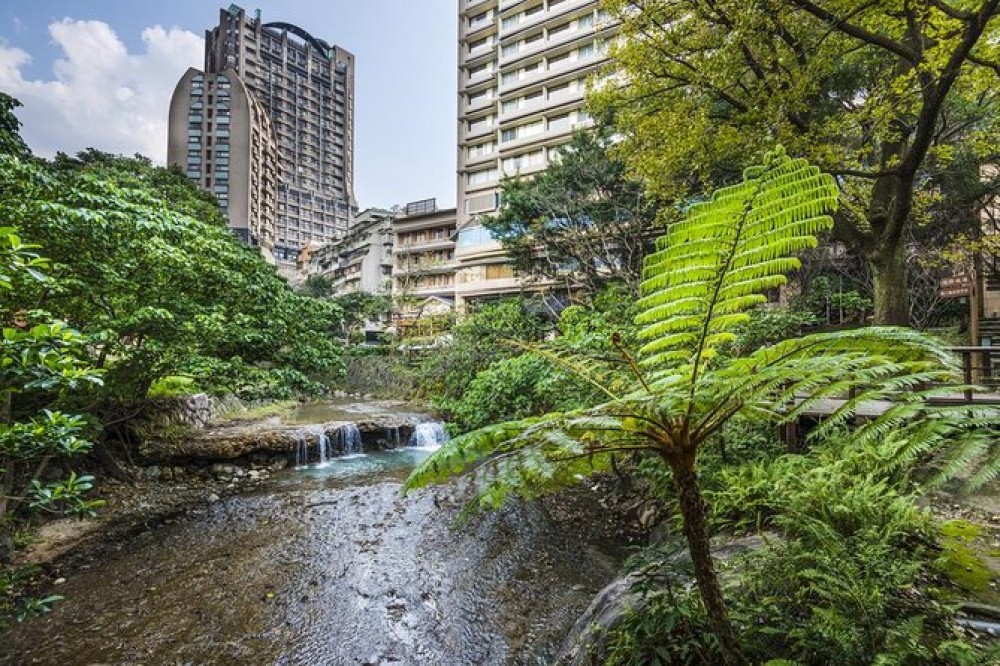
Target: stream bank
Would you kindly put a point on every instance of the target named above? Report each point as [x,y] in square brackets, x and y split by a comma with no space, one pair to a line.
[254,559]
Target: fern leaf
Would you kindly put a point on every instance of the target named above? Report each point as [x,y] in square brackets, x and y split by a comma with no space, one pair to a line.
[716,264]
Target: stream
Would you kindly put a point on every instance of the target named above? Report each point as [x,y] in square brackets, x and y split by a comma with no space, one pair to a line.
[329,564]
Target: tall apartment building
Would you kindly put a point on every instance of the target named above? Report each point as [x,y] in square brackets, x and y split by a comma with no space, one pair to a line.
[523,67]
[306,86]
[221,137]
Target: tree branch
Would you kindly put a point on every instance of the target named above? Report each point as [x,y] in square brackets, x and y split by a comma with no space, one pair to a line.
[856,31]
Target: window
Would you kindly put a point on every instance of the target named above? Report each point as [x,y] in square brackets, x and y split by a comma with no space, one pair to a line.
[508,135]
[499,271]
[558,90]
[481,149]
[482,176]
[558,61]
[585,51]
[559,122]
[556,30]
[473,236]
[585,22]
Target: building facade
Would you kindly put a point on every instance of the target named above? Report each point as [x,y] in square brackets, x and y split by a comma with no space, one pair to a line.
[424,264]
[306,87]
[220,136]
[522,75]
[361,261]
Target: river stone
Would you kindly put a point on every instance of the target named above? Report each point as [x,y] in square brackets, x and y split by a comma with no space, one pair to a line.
[587,642]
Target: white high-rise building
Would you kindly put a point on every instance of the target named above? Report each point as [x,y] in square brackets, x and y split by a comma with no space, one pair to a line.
[522,74]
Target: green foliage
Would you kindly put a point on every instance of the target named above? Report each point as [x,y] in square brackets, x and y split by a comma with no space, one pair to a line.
[708,272]
[582,222]
[845,576]
[477,341]
[159,292]
[39,366]
[768,326]
[885,97]
[14,604]
[833,305]
[317,286]
[359,307]
[11,142]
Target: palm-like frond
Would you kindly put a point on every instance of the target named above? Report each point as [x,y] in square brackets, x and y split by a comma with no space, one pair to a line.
[719,262]
[707,272]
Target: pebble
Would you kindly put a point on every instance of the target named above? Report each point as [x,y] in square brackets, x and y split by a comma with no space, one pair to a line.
[212,497]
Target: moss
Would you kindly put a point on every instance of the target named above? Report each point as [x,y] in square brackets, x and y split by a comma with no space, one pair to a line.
[280,408]
[960,558]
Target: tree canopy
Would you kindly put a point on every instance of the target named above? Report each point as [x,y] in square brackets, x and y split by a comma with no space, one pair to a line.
[583,222]
[884,96]
[159,291]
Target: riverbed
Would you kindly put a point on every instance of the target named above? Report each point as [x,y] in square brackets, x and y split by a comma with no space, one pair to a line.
[331,565]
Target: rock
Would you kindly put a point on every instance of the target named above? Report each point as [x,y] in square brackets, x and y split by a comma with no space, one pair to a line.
[153,472]
[59,581]
[213,498]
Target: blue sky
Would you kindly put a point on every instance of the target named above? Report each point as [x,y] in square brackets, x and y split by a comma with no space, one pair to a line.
[100,73]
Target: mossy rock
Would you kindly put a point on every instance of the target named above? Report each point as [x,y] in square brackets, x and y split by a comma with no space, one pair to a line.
[961,560]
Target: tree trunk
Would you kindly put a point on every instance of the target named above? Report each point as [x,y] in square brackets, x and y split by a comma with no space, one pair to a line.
[892,298]
[696,531]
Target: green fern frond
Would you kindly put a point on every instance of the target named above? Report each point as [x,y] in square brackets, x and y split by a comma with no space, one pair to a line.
[715,265]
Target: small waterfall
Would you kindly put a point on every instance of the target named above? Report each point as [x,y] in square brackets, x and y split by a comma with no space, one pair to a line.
[392,438]
[429,435]
[303,454]
[348,439]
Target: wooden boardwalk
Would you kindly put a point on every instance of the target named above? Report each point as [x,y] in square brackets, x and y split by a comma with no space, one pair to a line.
[974,373]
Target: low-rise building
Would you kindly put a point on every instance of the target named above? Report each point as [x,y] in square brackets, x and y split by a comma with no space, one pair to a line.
[424,265]
[361,261]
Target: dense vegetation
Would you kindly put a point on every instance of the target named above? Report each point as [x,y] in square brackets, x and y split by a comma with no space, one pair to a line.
[690,387]
[897,99]
[119,280]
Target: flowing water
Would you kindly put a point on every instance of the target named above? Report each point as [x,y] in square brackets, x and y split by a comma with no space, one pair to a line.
[329,564]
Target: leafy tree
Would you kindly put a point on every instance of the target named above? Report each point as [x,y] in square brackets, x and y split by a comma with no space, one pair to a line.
[169,185]
[884,95]
[708,271]
[583,221]
[317,286]
[39,365]
[476,342]
[360,307]
[158,292]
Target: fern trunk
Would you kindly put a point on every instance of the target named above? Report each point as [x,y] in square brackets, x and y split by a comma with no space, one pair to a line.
[695,517]
[892,300]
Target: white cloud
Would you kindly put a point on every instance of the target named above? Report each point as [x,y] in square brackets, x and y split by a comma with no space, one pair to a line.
[101,95]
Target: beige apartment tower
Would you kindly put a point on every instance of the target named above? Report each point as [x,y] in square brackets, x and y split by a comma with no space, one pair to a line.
[221,137]
[306,85]
[523,68]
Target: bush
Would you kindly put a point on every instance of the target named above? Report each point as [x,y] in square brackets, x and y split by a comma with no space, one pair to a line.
[846,580]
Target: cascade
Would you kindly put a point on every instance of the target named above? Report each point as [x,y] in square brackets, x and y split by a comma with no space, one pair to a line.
[348,439]
[392,438]
[303,454]
[429,435]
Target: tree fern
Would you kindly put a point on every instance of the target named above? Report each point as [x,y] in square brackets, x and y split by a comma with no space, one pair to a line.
[706,274]
[719,262]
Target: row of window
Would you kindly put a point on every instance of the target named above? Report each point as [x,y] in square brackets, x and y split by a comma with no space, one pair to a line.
[551,34]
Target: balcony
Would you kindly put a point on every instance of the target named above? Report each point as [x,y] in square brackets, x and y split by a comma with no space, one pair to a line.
[411,247]
[426,268]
